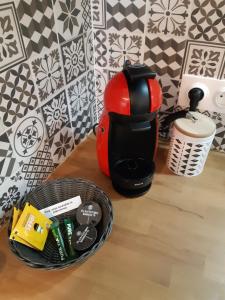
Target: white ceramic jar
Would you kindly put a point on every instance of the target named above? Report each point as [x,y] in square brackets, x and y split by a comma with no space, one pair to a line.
[190,144]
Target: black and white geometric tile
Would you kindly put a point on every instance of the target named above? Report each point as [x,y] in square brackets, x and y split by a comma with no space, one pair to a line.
[82,124]
[168,17]
[93,113]
[98,13]
[27,136]
[101,79]
[164,132]
[86,15]
[126,14]
[8,162]
[55,113]
[37,24]
[73,54]
[10,194]
[89,49]
[100,106]
[68,15]
[17,177]
[208,21]
[164,55]
[203,59]
[48,74]
[38,167]
[222,73]
[77,96]
[91,85]
[17,94]
[98,8]
[12,49]
[219,140]
[111,74]
[92,96]
[62,144]
[122,47]
[100,48]
[169,91]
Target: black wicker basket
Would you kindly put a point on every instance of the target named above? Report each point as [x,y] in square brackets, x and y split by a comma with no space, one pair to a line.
[52,192]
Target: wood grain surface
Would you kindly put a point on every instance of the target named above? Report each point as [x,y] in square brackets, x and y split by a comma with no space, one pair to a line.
[167,245]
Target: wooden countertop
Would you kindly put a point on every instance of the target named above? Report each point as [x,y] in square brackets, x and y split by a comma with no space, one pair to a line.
[168,244]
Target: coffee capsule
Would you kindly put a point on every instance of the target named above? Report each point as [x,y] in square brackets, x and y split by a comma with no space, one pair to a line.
[83,237]
[89,213]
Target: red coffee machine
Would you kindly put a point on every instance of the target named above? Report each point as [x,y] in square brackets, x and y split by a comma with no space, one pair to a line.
[128,129]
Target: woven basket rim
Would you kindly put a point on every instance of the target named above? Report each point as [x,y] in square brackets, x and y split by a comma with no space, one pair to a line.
[84,256]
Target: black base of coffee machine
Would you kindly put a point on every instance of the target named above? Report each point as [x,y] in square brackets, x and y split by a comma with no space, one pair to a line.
[131,193]
[132,177]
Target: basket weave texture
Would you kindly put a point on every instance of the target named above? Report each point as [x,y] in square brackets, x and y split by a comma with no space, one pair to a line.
[50,193]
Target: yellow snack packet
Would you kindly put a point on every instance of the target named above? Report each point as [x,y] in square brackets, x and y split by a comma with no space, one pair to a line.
[16,214]
[32,228]
[18,239]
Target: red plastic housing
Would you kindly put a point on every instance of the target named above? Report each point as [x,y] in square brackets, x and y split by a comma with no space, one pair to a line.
[117,100]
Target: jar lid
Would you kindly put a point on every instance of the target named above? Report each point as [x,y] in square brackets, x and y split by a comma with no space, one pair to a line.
[202,127]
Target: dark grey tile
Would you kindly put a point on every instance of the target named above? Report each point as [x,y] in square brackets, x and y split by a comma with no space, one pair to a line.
[207,21]
[37,23]
[68,18]
[27,136]
[100,48]
[124,47]
[89,49]
[82,124]
[126,14]
[38,167]
[203,59]
[164,54]
[73,58]
[17,94]
[48,74]
[55,113]
[91,85]
[8,162]
[99,13]
[9,197]
[12,49]
[169,92]
[62,144]
[86,15]
[168,17]
[78,96]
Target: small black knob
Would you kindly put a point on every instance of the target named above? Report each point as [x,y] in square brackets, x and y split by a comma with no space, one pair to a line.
[195,95]
[126,63]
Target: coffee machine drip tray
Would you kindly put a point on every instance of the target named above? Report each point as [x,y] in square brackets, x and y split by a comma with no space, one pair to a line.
[132,176]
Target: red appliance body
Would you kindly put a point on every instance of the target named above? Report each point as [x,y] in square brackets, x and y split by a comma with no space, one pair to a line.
[123,108]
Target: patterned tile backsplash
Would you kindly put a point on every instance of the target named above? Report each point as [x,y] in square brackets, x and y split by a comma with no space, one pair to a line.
[172,37]
[129,15]
[57,56]
[48,74]
[37,23]
[12,50]
[74,61]
[168,17]
[47,90]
